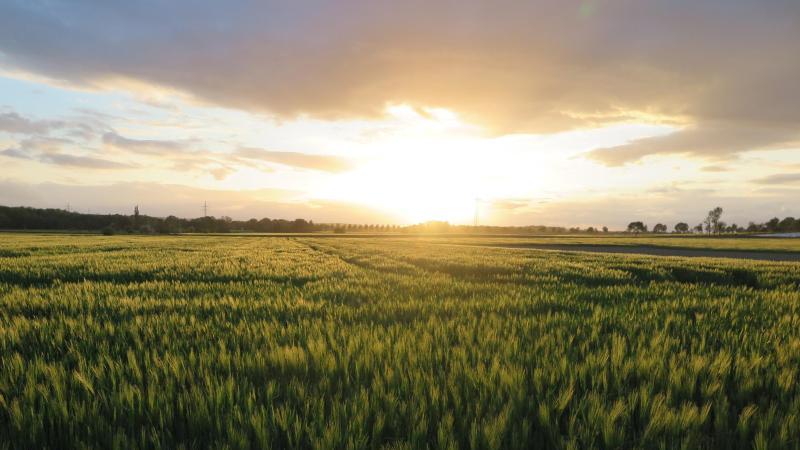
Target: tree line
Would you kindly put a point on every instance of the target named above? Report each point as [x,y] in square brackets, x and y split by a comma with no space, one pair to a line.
[25,218]
[446,227]
[713,224]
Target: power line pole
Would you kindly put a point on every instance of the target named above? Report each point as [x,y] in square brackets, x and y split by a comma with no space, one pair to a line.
[205,209]
[477,202]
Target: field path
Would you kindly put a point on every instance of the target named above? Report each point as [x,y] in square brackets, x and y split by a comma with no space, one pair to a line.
[656,251]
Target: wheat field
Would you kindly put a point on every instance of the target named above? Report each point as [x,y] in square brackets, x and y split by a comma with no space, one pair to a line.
[277,342]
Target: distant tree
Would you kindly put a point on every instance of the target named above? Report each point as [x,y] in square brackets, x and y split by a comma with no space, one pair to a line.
[698,228]
[301,226]
[712,220]
[637,227]
[170,225]
[660,228]
[787,224]
[773,224]
[591,230]
[605,229]
[681,227]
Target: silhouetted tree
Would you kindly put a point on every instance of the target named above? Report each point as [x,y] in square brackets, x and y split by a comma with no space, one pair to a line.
[712,220]
[787,224]
[637,227]
[660,228]
[773,224]
[681,227]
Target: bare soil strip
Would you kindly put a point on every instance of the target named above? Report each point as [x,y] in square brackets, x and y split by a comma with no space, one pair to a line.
[658,251]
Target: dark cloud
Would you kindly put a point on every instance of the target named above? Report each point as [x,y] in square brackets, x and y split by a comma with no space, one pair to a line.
[781,178]
[325,163]
[712,66]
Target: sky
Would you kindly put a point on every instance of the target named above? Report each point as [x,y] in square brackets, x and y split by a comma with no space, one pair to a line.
[572,113]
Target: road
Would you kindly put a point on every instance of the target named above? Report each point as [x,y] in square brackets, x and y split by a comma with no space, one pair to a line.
[658,251]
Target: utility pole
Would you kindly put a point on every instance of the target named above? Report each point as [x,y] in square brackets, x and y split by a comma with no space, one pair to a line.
[477,203]
[205,209]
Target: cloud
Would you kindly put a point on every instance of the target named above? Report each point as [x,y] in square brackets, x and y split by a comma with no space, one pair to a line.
[179,154]
[86,162]
[538,66]
[184,157]
[11,122]
[54,150]
[64,159]
[510,204]
[143,146]
[15,153]
[220,173]
[715,169]
[781,178]
[718,142]
[81,127]
[325,163]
